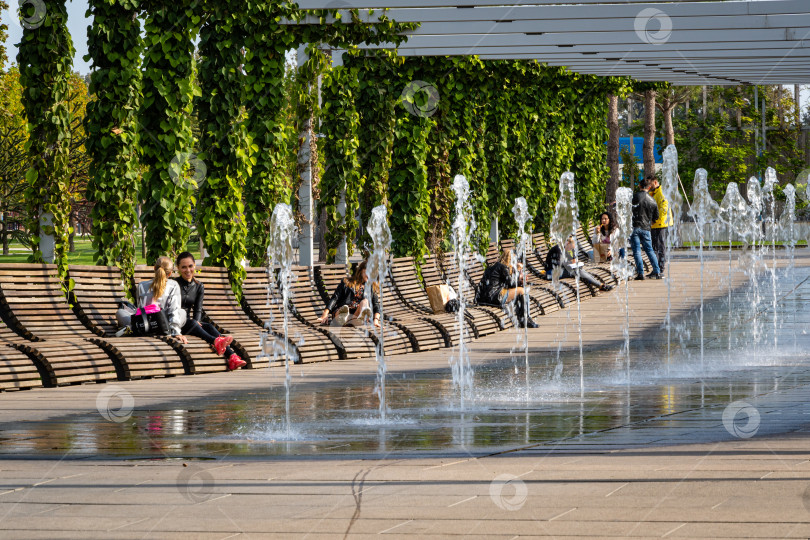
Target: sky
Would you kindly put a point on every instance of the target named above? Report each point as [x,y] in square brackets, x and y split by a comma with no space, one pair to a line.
[77,24]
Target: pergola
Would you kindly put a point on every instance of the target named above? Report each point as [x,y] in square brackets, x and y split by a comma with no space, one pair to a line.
[692,42]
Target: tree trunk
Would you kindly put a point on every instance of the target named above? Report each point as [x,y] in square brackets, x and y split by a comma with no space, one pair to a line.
[4,232]
[72,236]
[797,97]
[649,133]
[613,150]
[705,94]
[629,124]
[669,130]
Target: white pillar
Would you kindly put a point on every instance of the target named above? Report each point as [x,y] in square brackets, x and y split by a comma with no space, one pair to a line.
[47,243]
[305,246]
[342,255]
[493,231]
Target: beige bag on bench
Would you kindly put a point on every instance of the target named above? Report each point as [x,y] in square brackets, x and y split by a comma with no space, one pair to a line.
[439,295]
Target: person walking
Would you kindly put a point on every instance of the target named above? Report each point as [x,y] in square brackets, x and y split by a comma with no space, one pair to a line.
[645,213]
[659,230]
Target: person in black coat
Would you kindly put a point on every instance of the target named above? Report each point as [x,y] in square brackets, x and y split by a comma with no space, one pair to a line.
[192,294]
[645,213]
[499,287]
[570,267]
[349,305]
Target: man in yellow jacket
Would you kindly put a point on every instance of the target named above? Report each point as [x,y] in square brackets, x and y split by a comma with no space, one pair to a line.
[660,228]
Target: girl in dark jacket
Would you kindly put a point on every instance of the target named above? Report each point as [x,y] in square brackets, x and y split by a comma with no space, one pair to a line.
[192,294]
[349,304]
[499,286]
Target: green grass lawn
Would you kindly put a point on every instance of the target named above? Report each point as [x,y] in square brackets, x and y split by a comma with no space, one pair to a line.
[84,251]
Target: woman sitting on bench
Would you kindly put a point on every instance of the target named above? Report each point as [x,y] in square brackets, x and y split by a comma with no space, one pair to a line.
[349,304]
[166,293]
[192,293]
[570,265]
[499,287]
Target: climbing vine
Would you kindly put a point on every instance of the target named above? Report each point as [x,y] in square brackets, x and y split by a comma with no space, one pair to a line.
[172,172]
[45,57]
[341,182]
[114,45]
[225,144]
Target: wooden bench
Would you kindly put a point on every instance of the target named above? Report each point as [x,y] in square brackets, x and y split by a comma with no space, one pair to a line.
[538,257]
[34,307]
[223,310]
[308,306]
[264,306]
[18,370]
[413,294]
[487,320]
[399,339]
[201,356]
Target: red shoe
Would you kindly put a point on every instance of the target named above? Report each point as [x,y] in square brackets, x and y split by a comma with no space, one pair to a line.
[234,362]
[220,344]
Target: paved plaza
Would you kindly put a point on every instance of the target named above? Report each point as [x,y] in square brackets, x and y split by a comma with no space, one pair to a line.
[652,469]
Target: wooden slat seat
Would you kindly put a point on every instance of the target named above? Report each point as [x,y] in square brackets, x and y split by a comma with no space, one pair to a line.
[600,271]
[33,306]
[398,337]
[543,301]
[199,355]
[412,291]
[309,305]
[486,319]
[17,370]
[223,310]
[426,333]
[266,311]
[541,252]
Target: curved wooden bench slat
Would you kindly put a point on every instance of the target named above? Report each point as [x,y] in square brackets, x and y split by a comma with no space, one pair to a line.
[312,345]
[326,278]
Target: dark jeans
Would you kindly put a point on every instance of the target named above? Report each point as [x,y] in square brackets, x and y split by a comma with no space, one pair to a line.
[659,242]
[638,240]
[204,331]
[568,272]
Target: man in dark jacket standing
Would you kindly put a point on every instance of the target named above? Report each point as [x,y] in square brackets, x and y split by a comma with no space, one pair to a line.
[645,213]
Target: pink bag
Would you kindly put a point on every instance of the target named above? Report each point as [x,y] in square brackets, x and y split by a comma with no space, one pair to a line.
[151,308]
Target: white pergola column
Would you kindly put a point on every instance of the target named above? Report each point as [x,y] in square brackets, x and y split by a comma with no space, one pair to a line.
[47,242]
[493,231]
[305,239]
[342,255]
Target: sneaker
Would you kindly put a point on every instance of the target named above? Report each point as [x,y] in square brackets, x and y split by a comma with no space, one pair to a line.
[220,344]
[366,315]
[651,275]
[532,324]
[640,277]
[234,362]
[607,288]
[342,316]
[657,276]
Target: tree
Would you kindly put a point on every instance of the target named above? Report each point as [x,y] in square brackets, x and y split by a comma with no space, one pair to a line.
[613,149]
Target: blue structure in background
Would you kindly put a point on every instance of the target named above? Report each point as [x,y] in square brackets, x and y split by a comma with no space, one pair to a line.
[624,144]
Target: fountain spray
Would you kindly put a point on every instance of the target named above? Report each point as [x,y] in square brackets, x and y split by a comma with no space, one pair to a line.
[463,230]
[770,197]
[704,211]
[280,254]
[733,210]
[669,185]
[521,212]
[620,266]
[377,269]
[565,224]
